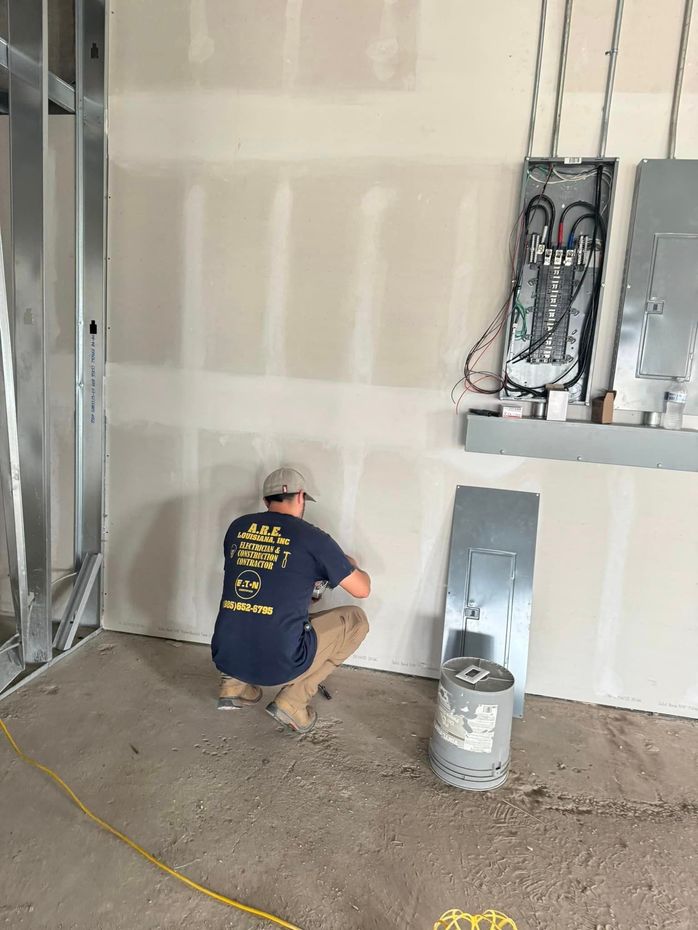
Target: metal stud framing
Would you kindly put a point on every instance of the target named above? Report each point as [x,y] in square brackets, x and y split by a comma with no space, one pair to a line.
[59,92]
[24,420]
[90,160]
[11,653]
[27,58]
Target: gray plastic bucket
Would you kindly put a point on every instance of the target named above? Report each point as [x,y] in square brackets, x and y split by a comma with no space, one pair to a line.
[470,744]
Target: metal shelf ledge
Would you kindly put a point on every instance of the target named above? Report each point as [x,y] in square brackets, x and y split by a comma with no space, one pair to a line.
[612,444]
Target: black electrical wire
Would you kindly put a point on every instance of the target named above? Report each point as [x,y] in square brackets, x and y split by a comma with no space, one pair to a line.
[576,203]
[509,382]
[537,201]
[572,206]
[544,211]
[579,221]
[586,340]
[588,216]
[502,319]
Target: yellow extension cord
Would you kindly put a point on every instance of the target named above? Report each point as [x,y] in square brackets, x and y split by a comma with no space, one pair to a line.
[458,920]
[222,899]
[451,920]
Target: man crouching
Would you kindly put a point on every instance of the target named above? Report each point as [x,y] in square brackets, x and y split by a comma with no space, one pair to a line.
[264,635]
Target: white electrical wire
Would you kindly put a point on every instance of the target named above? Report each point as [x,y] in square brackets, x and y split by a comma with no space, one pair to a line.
[565,178]
[63,578]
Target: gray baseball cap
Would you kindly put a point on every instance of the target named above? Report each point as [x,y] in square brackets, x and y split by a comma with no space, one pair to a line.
[285,481]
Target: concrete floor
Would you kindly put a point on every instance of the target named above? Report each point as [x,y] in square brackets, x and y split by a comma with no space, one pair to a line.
[345,828]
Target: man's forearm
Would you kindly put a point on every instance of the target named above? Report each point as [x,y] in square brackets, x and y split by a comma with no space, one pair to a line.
[360,576]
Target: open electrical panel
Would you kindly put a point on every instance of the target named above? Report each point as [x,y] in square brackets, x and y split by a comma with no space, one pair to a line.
[559,258]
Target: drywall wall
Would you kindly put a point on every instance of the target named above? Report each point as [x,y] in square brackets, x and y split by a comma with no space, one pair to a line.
[309,210]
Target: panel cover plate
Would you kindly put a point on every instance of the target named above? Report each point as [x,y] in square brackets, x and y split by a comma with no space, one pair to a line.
[658,321]
[490,579]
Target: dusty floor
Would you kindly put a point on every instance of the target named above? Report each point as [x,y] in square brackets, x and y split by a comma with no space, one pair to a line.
[346,828]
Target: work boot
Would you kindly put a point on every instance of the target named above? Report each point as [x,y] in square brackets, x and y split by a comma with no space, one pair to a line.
[301,722]
[234,697]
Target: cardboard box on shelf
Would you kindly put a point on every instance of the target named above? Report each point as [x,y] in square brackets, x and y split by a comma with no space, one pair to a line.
[602,408]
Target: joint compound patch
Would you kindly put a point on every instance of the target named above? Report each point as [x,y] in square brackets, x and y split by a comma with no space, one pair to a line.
[474,732]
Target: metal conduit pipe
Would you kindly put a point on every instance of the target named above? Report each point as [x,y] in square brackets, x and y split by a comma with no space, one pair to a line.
[561,75]
[610,77]
[536,79]
[678,83]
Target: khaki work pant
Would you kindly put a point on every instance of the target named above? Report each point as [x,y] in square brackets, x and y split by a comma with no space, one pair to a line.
[339,632]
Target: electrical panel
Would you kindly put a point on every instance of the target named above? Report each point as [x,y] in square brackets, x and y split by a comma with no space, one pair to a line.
[558,263]
[657,336]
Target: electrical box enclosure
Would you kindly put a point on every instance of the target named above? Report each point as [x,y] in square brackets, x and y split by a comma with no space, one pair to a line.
[558,275]
[658,318]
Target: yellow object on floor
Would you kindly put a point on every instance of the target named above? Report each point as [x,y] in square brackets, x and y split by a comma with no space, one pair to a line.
[222,899]
[459,920]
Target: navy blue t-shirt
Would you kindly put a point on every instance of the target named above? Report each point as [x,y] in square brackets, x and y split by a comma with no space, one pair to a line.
[272,561]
